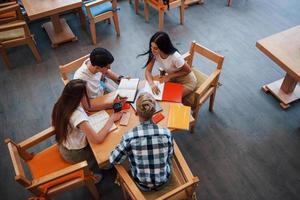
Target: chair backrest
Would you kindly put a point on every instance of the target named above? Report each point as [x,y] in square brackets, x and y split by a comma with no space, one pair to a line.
[10,11]
[68,68]
[181,175]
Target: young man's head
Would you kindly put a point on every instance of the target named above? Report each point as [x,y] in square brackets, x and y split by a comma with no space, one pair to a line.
[101,59]
[145,106]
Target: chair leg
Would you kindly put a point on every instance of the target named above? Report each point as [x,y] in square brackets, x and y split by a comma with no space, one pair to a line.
[5,58]
[32,46]
[81,18]
[93,32]
[160,20]
[212,101]
[195,116]
[136,6]
[116,22]
[229,2]
[181,10]
[146,11]
[92,188]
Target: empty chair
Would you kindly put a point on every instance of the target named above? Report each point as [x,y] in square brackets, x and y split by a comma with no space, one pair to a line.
[14,31]
[206,84]
[50,173]
[99,10]
[162,6]
[181,185]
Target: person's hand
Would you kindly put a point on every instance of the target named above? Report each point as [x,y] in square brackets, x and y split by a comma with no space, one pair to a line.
[120,99]
[155,89]
[116,116]
[164,79]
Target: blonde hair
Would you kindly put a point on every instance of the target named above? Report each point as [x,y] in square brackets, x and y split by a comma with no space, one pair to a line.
[145,106]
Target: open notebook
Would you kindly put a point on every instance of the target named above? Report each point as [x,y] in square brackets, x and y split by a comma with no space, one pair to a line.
[168,91]
[160,87]
[99,119]
[128,88]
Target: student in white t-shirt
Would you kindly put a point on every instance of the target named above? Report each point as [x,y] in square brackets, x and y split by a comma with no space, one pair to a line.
[93,71]
[72,127]
[162,52]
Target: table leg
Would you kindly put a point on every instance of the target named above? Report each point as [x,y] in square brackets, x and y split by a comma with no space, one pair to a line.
[58,31]
[286,90]
[288,84]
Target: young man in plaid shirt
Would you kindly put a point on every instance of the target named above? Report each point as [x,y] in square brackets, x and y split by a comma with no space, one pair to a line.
[148,148]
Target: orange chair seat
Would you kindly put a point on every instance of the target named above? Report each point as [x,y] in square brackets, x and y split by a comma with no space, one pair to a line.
[11,34]
[48,161]
[8,15]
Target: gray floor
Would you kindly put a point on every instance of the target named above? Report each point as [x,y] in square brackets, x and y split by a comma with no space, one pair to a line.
[247,149]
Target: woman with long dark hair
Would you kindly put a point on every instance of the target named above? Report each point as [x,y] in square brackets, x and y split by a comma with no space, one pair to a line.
[72,127]
[162,51]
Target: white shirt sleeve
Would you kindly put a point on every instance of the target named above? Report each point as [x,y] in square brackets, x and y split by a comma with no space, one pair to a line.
[178,60]
[78,116]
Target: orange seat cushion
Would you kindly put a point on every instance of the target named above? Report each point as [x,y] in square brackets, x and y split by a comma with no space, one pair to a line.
[8,15]
[48,161]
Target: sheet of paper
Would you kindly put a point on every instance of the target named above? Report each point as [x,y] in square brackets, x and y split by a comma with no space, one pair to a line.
[160,86]
[129,83]
[99,119]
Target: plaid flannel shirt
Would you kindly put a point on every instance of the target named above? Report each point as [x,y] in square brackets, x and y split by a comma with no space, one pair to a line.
[149,149]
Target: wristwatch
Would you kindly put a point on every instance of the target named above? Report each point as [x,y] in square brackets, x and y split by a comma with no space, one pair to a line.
[119,78]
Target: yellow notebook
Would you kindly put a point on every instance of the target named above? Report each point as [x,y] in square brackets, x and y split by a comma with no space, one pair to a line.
[179,116]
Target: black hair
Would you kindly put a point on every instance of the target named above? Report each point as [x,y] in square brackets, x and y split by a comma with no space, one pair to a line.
[101,57]
[163,42]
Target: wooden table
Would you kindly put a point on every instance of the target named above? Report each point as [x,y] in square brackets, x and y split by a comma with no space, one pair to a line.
[57,29]
[102,151]
[284,49]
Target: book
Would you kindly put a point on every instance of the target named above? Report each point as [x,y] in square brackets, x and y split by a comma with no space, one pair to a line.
[179,116]
[168,91]
[128,88]
[172,92]
[157,117]
[160,87]
[99,119]
[158,108]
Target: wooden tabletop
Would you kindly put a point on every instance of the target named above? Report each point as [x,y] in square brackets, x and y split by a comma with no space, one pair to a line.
[284,49]
[37,9]
[102,151]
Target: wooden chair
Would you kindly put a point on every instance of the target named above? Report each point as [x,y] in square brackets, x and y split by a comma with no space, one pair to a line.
[14,31]
[67,69]
[50,173]
[99,10]
[162,8]
[206,84]
[182,183]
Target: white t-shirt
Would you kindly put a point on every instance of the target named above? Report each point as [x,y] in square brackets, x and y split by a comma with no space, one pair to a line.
[172,63]
[94,89]
[76,138]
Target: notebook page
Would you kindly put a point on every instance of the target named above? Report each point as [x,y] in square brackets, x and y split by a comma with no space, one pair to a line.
[160,87]
[129,83]
[99,119]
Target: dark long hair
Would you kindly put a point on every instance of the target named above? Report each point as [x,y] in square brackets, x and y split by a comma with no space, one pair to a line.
[67,103]
[163,42]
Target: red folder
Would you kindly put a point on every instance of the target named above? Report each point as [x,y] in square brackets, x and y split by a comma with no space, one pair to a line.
[172,92]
